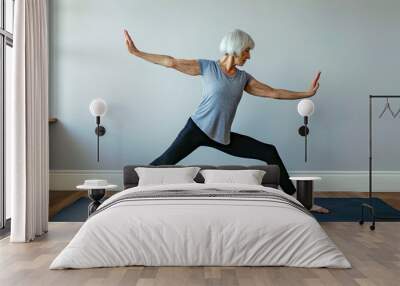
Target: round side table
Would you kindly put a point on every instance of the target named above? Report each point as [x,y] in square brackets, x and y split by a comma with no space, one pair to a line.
[304,186]
[95,194]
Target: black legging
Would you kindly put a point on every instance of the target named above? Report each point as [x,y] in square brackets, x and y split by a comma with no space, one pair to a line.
[192,137]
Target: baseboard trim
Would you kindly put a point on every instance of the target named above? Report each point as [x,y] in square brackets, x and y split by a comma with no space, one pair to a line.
[332,181]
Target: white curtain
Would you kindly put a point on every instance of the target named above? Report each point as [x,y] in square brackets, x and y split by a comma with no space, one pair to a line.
[28,151]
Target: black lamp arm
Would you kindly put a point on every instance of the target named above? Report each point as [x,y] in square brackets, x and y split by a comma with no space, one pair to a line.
[100,131]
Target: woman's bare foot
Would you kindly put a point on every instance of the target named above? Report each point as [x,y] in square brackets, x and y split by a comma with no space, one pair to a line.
[319,209]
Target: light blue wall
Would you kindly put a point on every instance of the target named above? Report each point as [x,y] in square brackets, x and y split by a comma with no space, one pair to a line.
[355,43]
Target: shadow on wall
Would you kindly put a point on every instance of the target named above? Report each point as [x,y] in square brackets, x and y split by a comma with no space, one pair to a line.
[67,140]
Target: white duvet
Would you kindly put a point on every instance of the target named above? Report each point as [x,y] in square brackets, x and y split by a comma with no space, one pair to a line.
[200,231]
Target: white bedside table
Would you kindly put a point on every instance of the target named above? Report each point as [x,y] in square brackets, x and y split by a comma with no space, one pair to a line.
[96,191]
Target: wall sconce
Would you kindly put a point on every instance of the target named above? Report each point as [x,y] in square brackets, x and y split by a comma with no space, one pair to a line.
[98,108]
[305,109]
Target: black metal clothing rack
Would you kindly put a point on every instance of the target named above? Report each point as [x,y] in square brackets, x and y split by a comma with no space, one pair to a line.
[369,205]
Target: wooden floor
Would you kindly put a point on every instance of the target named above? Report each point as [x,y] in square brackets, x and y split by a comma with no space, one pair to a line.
[374,255]
[60,199]
[392,198]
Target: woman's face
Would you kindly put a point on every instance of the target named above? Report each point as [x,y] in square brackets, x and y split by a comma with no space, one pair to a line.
[244,56]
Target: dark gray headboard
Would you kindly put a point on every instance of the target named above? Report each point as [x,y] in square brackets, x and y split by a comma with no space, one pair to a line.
[271,177]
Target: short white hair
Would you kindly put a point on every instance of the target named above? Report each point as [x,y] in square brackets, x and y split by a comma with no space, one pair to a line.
[235,42]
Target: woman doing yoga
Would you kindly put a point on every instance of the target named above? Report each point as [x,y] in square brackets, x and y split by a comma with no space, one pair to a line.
[223,85]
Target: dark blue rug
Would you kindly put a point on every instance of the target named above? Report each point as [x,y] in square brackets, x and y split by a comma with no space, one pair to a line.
[342,209]
[349,209]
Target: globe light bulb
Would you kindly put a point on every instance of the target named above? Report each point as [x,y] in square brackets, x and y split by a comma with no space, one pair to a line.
[305,107]
[98,107]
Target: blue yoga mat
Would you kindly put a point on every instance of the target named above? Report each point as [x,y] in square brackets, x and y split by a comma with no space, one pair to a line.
[349,209]
[341,209]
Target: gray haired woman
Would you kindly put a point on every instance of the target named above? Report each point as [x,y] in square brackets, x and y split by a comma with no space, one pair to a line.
[223,85]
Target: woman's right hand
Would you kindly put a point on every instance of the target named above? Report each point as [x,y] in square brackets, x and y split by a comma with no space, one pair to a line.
[314,85]
[129,44]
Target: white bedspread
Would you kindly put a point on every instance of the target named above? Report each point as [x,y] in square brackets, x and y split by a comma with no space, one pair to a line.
[200,231]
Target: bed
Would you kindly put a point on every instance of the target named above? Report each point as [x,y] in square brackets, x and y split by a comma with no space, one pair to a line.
[198,224]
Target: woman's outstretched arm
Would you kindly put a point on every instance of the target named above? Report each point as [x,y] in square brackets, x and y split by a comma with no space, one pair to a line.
[190,67]
[254,87]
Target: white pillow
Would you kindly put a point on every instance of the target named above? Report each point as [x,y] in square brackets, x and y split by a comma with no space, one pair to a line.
[249,177]
[162,176]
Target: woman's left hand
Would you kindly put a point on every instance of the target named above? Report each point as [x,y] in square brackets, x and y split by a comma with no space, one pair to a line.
[314,85]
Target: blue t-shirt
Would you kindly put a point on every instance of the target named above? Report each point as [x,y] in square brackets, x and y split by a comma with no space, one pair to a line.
[221,96]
